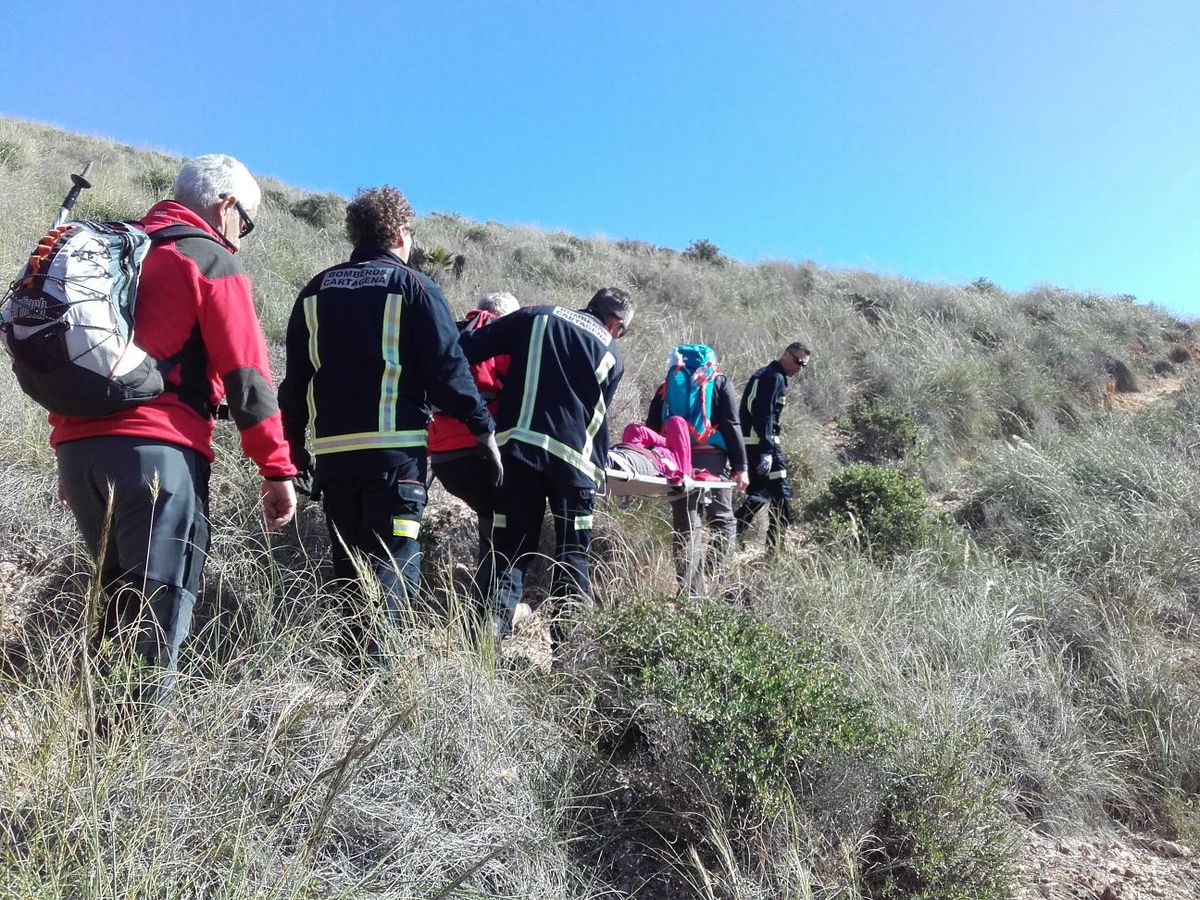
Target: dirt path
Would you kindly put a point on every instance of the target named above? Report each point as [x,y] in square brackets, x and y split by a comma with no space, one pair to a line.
[1156,389]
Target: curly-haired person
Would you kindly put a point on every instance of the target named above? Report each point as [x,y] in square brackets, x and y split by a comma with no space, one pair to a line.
[371,344]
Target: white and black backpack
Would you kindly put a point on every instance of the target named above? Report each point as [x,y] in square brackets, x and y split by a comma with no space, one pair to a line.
[67,320]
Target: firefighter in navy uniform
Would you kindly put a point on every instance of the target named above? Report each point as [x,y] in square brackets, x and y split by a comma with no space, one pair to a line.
[762,404]
[553,431]
[370,344]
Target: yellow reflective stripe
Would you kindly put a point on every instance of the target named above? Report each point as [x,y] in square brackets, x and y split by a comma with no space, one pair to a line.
[583,523]
[606,366]
[390,348]
[754,382]
[407,528]
[594,426]
[499,520]
[601,410]
[314,356]
[775,476]
[370,440]
[533,371]
[567,454]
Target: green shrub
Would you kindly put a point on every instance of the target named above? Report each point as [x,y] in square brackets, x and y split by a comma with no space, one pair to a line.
[880,432]
[275,198]
[157,181]
[940,834]
[321,210]
[876,505]
[480,234]
[701,250]
[437,262]
[759,708]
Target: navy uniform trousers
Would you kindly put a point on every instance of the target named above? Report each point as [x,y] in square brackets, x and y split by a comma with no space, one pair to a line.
[772,489]
[517,531]
[378,515]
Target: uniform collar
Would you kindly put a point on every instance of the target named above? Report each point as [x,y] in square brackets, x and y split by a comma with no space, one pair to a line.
[376,254]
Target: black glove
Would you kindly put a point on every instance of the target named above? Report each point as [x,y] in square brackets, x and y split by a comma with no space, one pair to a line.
[303,483]
[764,464]
[490,451]
[302,460]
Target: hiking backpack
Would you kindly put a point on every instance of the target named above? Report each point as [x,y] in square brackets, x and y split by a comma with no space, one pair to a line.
[67,321]
[690,391]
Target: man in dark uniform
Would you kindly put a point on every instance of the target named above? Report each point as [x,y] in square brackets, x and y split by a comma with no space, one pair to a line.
[553,430]
[762,404]
[370,343]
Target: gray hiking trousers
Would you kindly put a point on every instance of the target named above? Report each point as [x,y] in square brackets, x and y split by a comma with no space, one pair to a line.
[142,508]
[703,526]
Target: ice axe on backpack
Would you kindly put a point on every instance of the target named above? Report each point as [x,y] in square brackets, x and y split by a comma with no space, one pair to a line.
[79,183]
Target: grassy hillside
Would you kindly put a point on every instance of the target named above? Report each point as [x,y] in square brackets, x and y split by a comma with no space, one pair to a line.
[882,712]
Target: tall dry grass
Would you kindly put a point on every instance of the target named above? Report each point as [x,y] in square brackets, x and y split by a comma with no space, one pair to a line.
[1039,646]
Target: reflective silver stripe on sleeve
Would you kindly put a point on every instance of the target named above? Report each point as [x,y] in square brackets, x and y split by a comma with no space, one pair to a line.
[314,356]
[533,371]
[389,384]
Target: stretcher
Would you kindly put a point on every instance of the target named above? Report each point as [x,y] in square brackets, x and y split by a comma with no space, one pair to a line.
[651,487]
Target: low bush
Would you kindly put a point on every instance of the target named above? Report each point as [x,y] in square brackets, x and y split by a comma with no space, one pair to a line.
[321,210]
[157,181]
[880,432]
[275,198]
[761,710]
[875,506]
[701,250]
[940,834]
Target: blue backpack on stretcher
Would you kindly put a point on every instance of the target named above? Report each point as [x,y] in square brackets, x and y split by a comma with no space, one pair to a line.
[690,391]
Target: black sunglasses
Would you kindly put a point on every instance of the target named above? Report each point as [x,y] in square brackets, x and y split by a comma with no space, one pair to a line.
[801,361]
[247,222]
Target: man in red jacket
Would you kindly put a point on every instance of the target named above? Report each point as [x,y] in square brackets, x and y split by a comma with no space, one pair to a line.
[453,451]
[149,465]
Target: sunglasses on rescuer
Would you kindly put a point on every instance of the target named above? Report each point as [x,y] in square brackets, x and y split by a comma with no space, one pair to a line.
[247,222]
[801,361]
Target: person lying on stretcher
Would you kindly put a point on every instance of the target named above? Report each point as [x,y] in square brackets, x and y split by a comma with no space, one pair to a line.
[643,451]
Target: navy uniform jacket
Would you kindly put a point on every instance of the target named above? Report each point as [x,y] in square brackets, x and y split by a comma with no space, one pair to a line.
[564,372]
[762,405]
[370,343]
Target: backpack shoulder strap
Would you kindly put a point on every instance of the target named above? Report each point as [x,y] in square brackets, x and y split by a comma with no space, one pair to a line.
[178,232]
[189,394]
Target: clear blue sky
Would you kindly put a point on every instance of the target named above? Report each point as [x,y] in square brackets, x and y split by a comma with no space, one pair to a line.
[1052,141]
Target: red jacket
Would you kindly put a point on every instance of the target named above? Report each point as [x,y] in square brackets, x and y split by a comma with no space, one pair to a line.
[194,304]
[447,433]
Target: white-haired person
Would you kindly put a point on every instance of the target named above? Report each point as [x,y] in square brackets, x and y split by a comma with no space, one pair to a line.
[148,466]
[453,452]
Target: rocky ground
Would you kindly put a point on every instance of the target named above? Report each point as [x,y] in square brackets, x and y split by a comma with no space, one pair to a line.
[1107,868]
